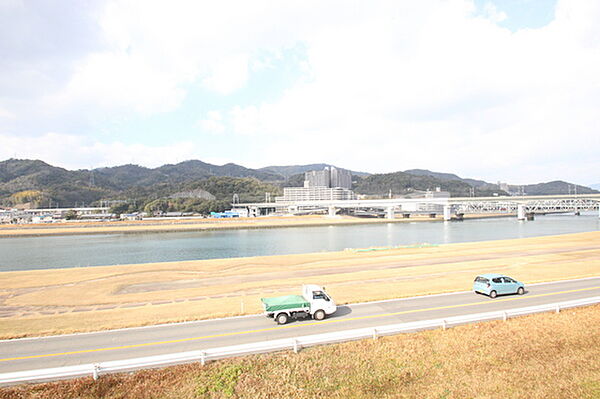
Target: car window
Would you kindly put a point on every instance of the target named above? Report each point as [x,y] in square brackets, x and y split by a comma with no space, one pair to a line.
[320,295]
[497,280]
[508,280]
[480,279]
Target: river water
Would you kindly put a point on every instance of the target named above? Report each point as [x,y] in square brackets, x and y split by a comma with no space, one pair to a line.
[25,253]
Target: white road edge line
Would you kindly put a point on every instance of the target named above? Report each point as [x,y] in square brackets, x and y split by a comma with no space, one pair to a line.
[116,366]
[261,314]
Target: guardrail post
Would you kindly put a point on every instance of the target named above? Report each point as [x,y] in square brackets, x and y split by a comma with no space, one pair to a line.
[375,333]
[557,308]
[504,316]
[96,371]
[444,324]
[203,358]
[296,346]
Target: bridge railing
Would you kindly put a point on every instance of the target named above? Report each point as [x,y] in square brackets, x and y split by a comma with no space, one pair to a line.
[295,344]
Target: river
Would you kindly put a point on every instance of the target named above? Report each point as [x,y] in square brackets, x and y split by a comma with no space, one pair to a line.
[25,253]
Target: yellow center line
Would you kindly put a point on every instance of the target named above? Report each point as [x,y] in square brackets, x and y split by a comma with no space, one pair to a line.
[293,326]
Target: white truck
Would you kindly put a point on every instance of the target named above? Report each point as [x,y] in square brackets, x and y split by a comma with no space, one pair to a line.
[314,302]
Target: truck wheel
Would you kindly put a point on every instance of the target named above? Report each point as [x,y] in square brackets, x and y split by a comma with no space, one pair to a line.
[281,318]
[319,315]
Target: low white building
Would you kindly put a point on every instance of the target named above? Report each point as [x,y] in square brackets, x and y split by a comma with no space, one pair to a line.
[315,193]
[242,212]
[424,207]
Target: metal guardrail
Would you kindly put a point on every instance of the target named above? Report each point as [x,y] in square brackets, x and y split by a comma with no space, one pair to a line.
[295,344]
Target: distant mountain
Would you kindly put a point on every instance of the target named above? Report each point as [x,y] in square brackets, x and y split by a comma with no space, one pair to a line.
[404,183]
[289,171]
[133,175]
[53,186]
[189,170]
[554,187]
[41,184]
[449,176]
[550,188]
[437,175]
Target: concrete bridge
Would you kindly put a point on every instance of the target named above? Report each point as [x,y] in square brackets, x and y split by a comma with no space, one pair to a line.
[523,206]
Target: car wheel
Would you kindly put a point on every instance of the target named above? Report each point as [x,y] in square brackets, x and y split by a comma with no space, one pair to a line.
[282,318]
[319,315]
[521,291]
[493,294]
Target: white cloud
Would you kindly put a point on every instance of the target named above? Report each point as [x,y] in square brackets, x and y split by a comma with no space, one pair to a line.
[6,114]
[388,85]
[212,123]
[58,149]
[117,81]
[246,120]
[493,13]
[228,75]
[453,93]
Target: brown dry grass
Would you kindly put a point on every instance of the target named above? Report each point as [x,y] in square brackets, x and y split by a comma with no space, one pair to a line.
[540,356]
[94,298]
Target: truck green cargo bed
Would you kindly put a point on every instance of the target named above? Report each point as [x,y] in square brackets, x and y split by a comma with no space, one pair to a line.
[284,303]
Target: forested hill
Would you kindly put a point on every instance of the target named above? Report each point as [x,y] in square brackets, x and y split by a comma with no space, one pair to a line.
[289,171]
[39,184]
[553,187]
[401,183]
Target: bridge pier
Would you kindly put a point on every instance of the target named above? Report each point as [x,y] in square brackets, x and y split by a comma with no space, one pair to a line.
[389,212]
[447,212]
[332,211]
[253,211]
[521,212]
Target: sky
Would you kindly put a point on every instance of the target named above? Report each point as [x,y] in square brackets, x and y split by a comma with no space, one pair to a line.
[504,90]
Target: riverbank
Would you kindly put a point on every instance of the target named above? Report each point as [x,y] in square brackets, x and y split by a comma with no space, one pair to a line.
[175,225]
[52,301]
[538,356]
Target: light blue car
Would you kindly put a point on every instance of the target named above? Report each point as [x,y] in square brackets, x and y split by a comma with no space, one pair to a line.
[493,284]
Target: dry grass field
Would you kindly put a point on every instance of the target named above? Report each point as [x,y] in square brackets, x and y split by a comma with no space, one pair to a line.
[541,356]
[42,302]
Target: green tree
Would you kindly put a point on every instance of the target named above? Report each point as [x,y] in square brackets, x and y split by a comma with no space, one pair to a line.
[123,207]
[71,215]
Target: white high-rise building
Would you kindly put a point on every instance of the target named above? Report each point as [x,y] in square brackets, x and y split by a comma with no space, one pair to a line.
[317,178]
[330,177]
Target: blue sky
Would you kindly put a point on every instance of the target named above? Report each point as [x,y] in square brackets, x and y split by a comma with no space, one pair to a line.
[521,14]
[496,90]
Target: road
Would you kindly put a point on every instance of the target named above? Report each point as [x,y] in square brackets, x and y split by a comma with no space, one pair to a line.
[67,350]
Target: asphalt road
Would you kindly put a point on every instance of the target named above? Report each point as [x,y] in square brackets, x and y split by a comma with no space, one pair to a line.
[67,350]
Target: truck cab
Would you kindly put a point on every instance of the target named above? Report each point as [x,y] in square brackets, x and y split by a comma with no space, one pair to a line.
[319,300]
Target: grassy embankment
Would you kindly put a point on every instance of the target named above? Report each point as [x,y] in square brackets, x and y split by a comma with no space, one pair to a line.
[540,356]
[41,302]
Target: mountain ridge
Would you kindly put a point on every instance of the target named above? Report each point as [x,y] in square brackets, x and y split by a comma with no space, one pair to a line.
[39,182]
